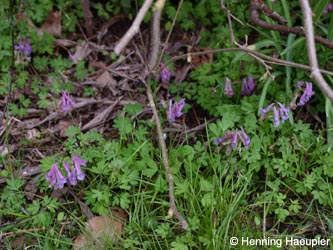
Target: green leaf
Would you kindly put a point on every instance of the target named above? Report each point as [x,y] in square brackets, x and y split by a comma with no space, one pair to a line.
[124,200]
[206,185]
[33,208]
[72,131]
[124,125]
[133,109]
[15,184]
[294,206]
[61,216]
[175,245]
[281,213]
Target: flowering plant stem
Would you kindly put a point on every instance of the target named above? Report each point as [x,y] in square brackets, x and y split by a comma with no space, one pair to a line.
[158,7]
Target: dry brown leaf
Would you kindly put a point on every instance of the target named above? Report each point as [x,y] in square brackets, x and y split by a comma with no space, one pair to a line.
[182,73]
[106,79]
[52,24]
[5,149]
[30,189]
[100,230]
[82,51]
[101,116]
[29,171]
[32,134]
[22,240]
[198,60]
[64,43]
[62,127]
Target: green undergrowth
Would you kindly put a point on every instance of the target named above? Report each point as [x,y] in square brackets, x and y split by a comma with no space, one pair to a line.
[280,186]
[285,177]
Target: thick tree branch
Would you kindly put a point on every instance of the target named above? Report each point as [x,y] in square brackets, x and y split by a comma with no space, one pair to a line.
[310,42]
[134,28]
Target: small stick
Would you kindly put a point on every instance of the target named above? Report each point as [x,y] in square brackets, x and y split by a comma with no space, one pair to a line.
[268,59]
[311,47]
[87,17]
[158,7]
[134,28]
[258,5]
[171,29]
[233,40]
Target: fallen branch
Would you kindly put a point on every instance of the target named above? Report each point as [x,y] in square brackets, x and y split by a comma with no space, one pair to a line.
[311,48]
[134,28]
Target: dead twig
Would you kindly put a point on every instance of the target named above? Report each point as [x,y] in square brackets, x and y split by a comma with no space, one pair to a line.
[311,47]
[87,18]
[257,6]
[12,64]
[101,117]
[158,7]
[233,40]
[170,32]
[134,28]
[268,59]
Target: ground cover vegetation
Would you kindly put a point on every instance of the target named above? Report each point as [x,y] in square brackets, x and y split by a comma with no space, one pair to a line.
[249,138]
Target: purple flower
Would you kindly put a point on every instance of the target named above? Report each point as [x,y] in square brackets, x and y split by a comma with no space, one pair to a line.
[248,86]
[328,7]
[284,112]
[78,162]
[279,110]
[300,84]
[228,91]
[307,94]
[276,117]
[234,139]
[55,178]
[175,110]
[245,138]
[71,174]
[66,102]
[24,47]
[266,110]
[231,139]
[165,74]
[227,136]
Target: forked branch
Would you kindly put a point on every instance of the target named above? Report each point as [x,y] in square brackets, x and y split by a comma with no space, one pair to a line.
[257,6]
[310,44]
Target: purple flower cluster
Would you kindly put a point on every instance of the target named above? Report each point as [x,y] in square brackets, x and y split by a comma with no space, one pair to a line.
[328,8]
[55,178]
[228,90]
[175,110]
[248,86]
[165,74]
[66,102]
[231,139]
[279,111]
[24,47]
[307,92]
